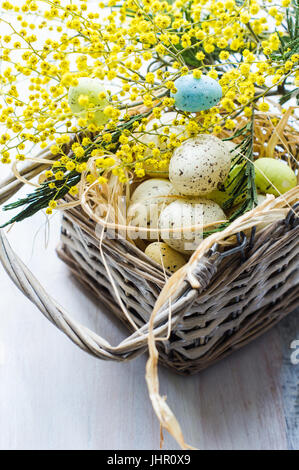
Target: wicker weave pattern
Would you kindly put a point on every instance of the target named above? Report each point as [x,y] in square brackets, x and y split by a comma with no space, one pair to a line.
[242,295]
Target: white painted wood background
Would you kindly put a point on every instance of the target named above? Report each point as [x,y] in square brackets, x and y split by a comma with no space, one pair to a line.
[54,396]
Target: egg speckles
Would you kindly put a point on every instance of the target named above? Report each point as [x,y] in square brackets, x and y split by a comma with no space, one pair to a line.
[144,215]
[147,201]
[199,165]
[177,218]
[153,189]
[162,254]
[196,94]
[232,148]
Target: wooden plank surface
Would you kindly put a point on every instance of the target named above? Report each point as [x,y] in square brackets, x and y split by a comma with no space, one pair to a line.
[54,396]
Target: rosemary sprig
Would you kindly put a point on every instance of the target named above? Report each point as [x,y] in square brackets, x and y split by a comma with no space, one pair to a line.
[244,181]
[290,94]
[41,197]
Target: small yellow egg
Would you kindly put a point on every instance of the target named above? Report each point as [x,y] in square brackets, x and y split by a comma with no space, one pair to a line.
[89,88]
[162,254]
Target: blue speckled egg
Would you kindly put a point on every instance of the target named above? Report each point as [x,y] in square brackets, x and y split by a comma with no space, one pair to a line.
[196,94]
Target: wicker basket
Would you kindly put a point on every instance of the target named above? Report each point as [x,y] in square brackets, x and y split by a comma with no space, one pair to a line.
[244,290]
[230,294]
[233,289]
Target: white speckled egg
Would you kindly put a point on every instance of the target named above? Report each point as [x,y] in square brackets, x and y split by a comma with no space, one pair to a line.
[184,213]
[147,201]
[162,254]
[144,214]
[153,188]
[199,165]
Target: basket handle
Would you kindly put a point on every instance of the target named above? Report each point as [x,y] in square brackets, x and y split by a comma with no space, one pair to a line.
[133,346]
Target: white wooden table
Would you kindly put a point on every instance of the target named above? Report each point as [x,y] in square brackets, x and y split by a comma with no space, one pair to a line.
[54,396]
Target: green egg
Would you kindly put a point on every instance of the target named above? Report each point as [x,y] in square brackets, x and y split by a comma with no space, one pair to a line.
[90,87]
[274,176]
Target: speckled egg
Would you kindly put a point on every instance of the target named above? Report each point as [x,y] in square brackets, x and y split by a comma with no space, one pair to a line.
[196,94]
[154,189]
[144,214]
[147,201]
[199,165]
[274,176]
[90,87]
[162,254]
[183,214]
